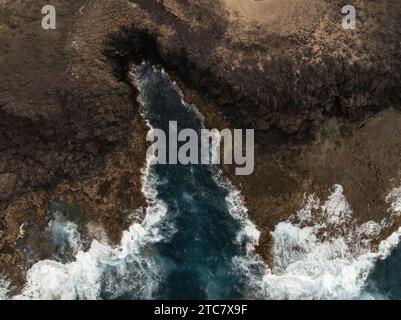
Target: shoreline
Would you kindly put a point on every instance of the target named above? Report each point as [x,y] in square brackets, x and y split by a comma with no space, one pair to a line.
[81,122]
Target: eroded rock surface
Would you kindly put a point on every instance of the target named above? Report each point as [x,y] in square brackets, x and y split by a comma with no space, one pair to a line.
[69,124]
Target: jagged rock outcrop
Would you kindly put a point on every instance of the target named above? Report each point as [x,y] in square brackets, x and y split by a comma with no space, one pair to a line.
[68,117]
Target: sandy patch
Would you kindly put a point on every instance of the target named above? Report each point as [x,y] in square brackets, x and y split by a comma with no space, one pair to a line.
[281,16]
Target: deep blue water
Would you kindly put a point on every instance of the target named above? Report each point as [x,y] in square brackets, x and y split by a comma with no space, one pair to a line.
[193,257]
[385,280]
[197,260]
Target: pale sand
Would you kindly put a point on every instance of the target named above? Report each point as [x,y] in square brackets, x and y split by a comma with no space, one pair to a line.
[280,16]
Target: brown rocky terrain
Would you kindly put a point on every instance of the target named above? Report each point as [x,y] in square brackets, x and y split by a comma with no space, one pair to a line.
[324,102]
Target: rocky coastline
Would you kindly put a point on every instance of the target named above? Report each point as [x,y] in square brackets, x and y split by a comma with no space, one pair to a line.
[325,103]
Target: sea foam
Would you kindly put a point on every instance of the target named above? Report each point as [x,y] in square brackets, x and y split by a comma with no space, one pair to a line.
[103,271]
[129,270]
[4,288]
[320,253]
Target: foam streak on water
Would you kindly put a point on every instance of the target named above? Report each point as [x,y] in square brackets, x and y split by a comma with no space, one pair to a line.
[248,233]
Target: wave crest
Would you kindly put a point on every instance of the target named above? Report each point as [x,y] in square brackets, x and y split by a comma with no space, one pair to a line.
[320,253]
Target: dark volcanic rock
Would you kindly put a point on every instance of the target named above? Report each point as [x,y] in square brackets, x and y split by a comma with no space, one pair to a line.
[62,107]
[7,184]
[68,117]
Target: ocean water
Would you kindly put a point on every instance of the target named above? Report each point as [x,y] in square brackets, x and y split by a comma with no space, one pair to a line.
[196,241]
[384,282]
[321,253]
[198,263]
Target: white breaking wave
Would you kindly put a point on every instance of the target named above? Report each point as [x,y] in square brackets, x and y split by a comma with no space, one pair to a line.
[248,233]
[65,231]
[319,254]
[4,288]
[394,199]
[129,270]
[103,271]
[322,253]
